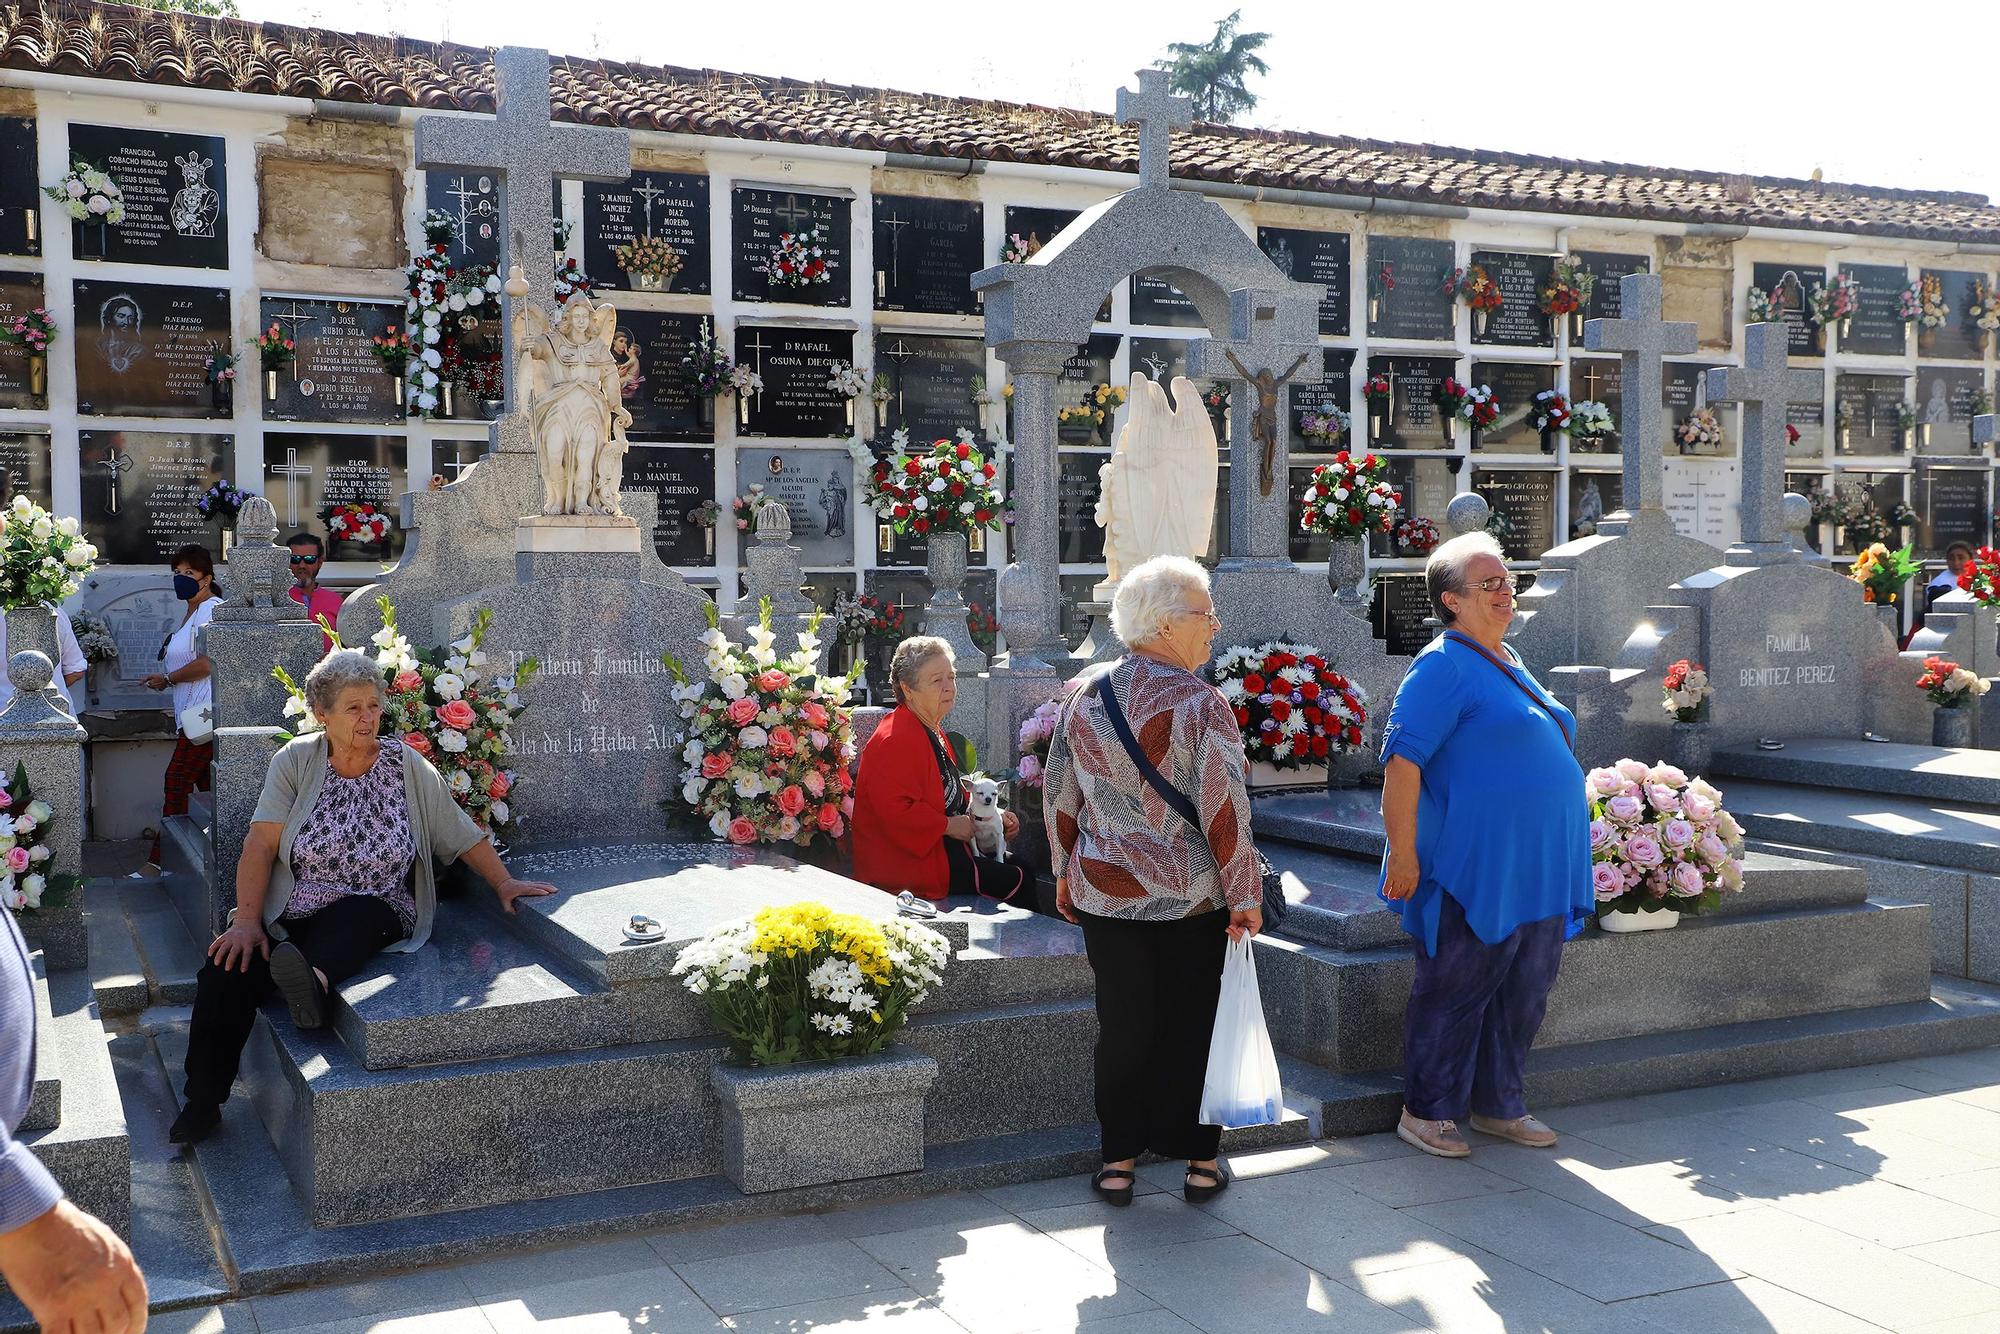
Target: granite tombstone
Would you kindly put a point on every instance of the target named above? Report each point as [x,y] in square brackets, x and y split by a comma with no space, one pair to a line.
[335,377]
[1787,286]
[1406,296]
[672,205]
[1519,321]
[761,216]
[20,192]
[1413,420]
[471,199]
[929,379]
[320,482]
[817,489]
[139,490]
[795,402]
[1877,327]
[176,197]
[1957,337]
[682,479]
[24,376]
[1314,257]
[142,349]
[648,346]
[926,251]
[141,611]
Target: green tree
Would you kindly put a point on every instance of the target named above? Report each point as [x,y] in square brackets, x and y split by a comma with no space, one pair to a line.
[206,8]
[1215,73]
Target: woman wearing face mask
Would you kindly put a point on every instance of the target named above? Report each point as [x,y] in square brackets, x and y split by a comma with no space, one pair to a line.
[184,671]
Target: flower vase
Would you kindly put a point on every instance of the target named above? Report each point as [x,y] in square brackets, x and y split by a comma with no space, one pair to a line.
[1576,319]
[1951,725]
[1645,919]
[705,412]
[1479,318]
[400,386]
[222,397]
[944,614]
[1378,424]
[1923,435]
[90,674]
[32,627]
[849,407]
[1448,423]
[228,539]
[1926,341]
[1688,748]
[859,1116]
[492,409]
[270,386]
[1846,323]
[1549,439]
[444,398]
[38,376]
[1374,309]
[1347,572]
[1555,329]
[648,282]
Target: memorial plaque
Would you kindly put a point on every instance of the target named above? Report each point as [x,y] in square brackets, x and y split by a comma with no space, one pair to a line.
[681,479]
[25,467]
[1701,497]
[1414,421]
[176,197]
[1592,495]
[1514,385]
[1601,380]
[1947,400]
[1402,605]
[926,251]
[1527,497]
[1866,413]
[671,205]
[930,383]
[1090,367]
[1077,491]
[759,217]
[1877,326]
[1605,302]
[1809,420]
[472,200]
[1157,302]
[139,487]
[1314,548]
[1036,226]
[1683,389]
[335,377]
[1406,296]
[1883,490]
[1519,321]
[1787,285]
[1159,359]
[1337,388]
[24,380]
[1958,338]
[311,478]
[1427,486]
[1314,257]
[20,188]
[1952,506]
[817,486]
[648,346]
[142,349]
[1805,484]
[795,402]
[1075,590]
[452,459]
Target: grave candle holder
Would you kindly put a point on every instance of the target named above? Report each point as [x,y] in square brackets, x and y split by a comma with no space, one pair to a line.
[885,539]
[1576,318]
[38,376]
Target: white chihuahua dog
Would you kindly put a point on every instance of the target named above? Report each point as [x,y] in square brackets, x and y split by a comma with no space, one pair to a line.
[988,826]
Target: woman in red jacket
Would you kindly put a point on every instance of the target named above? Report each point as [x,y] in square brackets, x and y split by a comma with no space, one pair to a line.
[911,829]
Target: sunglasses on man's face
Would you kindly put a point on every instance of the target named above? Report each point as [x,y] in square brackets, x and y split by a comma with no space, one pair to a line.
[305,560]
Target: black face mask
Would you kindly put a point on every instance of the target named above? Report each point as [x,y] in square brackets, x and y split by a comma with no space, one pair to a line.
[186,586]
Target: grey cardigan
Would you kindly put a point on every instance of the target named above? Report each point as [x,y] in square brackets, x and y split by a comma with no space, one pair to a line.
[438,826]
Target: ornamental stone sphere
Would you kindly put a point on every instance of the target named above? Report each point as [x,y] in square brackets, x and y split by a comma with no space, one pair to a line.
[31,671]
[1467,513]
[1797,512]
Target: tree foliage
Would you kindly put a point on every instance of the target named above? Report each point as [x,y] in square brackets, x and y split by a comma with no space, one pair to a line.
[225,9]
[1215,73]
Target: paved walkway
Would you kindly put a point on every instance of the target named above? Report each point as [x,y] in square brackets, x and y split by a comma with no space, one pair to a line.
[1848,1201]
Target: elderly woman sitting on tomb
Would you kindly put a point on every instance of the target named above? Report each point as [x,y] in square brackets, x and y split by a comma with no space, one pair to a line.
[913,828]
[337,866]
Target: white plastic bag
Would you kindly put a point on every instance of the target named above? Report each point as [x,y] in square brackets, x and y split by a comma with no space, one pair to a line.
[1241,1088]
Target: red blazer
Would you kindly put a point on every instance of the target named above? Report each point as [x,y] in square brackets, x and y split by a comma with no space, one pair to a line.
[899,811]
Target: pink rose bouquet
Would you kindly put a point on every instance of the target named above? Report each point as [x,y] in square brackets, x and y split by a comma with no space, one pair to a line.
[1660,840]
[1037,729]
[28,879]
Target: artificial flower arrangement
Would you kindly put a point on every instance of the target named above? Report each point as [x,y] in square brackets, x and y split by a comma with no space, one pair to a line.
[1349,498]
[357,521]
[1660,839]
[648,257]
[1701,429]
[1473,403]
[393,350]
[1216,399]
[846,380]
[981,395]
[1553,412]
[1835,301]
[1379,393]
[88,195]
[1038,730]
[1416,536]
[27,881]
[748,506]
[1097,406]
[1910,303]
[1381,279]
[224,501]
[1499,527]
[1984,311]
[803,983]
[1949,685]
[1591,420]
[276,349]
[1293,709]
[94,637]
[869,617]
[1328,422]
[766,741]
[949,488]
[1476,288]
[1868,526]
[34,330]
[1765,307]
[1568,289]
[41,556]
[1980,577]
[710,371]
[571,280]
[1017,249]
[1686,690]
[440,301]
[1827,507]
[1932,312]
[983,626]
[1882,572]
[220,368]
[797,261]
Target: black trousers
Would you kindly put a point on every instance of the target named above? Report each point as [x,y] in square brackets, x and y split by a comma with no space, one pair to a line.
[975,873]
[1157,988]
[337,940]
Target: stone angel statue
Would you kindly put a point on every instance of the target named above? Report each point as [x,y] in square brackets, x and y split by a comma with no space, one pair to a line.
[569,382]
[1157,493]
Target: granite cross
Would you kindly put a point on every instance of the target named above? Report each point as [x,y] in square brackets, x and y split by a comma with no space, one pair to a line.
[1641,338]
[1764,384]
[1157,113]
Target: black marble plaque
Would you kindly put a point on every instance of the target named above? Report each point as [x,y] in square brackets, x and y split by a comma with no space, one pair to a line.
[926,251]
[1528,498]
[1402,604]
[671,205]
[142,349]
[1787,285]
[20,188]
[1592,495]
[1314,257]
[1946,397]
[1865,414]
[1805,484]
[1683,388]
[176,197]
[1952,507]
[21,384]
[648,346]
[335,377]
[1514,385]
[1426,486]
[1337,388]
[930,383]
[1077,490]
[1159,359]
[25,467]
[139,487]
[1405,293]
[1036,226]
[451,459]
[1519,321]
[817,486]
[1958,338]
[472,200]
[1809,420]
[1157,302]
[1606,301]
[308,476]
[681,479]
[1414,421]
[1091,366]
[759,217]
[795,363]
[1877,327]
[1599,379]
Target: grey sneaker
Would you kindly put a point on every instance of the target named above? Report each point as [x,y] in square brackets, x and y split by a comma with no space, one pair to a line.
[1440,1139]
[1523,1130]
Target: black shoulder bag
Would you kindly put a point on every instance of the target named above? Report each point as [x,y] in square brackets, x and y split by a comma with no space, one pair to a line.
[1275,906]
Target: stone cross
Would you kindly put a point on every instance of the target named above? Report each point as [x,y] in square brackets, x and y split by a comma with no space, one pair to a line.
[1260,358]
[522,148]
[1641,338]
[1764,384]
[1986,429]
[1157,113]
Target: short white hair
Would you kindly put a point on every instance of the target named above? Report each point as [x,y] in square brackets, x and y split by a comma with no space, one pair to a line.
[1149,596]
[343,669]
[1444,572]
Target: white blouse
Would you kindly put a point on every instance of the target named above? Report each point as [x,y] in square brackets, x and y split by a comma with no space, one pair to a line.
[184,648]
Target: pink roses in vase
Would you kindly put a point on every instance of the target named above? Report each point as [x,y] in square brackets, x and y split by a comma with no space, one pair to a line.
[1659,842]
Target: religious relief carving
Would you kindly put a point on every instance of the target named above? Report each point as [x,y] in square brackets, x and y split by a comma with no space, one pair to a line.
[570,386]
[1157,493]
[1264,422]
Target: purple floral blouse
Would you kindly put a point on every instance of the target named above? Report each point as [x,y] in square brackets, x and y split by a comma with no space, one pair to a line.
[357,841]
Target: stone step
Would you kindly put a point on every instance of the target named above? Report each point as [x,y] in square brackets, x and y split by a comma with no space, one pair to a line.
[45,1097]
[1935,773]
[1886,825]
[1343,820]
[171,955]
[87,1149]
[1344,1009]
[117,974]
[185,854]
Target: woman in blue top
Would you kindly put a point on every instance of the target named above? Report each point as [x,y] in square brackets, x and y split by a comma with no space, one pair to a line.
[1489,856]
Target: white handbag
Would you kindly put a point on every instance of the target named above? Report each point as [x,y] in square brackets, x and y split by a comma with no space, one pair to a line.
[198,723]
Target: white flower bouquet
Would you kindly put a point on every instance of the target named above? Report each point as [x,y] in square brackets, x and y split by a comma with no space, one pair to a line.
[41,557]
[88,195]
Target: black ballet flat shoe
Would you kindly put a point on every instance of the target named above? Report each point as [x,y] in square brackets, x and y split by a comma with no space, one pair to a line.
[1194,1194]
[196,1123]
[1120,1196]
[304,996]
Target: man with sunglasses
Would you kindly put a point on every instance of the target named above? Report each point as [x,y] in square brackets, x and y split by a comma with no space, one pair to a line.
[308,554]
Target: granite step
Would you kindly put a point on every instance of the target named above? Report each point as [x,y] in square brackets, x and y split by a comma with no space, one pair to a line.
[1967,777]
[117,974]
[1886,825]
[45,1096]
[87,1148]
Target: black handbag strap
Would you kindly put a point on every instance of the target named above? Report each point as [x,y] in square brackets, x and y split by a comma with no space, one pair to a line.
[1173,796]
[1519,685]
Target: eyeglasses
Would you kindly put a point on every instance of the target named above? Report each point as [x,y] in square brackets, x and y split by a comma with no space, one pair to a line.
[1209,616]
[305,560]
[1498,582]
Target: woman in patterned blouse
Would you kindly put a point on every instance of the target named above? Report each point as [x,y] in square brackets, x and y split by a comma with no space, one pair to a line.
[337,866]
[1156,897]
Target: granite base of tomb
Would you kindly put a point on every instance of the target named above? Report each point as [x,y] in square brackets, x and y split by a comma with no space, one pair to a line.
[820,1122]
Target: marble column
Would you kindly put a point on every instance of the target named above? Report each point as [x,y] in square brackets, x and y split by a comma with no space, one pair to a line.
[1030,589]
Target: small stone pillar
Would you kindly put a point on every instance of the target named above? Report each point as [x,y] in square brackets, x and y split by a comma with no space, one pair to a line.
[36,733]
[775,576]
